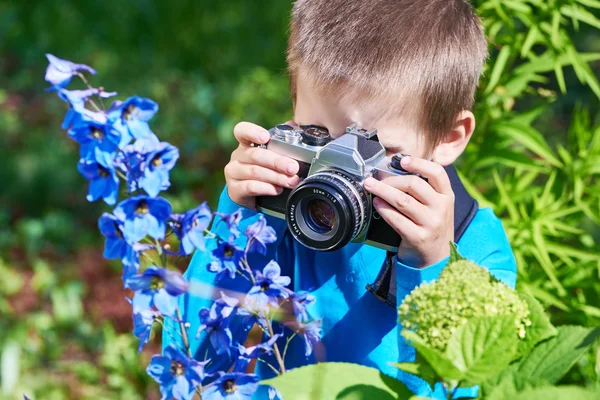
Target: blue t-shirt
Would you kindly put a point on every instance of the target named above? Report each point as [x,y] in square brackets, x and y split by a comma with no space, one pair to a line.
[357,327]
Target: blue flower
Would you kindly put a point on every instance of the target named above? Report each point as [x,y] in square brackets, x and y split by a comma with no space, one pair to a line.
[141,216]
[246,354]
[131,260]
[232,220]
[177,374]
[259,234]
[157,164]
[215,322]
[104,182]
[299,302]
[268,289]
[233,386]
[157,287]
[227,257]
[190,228]
[60,72]
[311,332]
[115,245]
[95,137]
[142,324]
[274,394]
[77,111]
[131,116]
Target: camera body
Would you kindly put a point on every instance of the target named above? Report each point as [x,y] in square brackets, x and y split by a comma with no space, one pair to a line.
[330,207]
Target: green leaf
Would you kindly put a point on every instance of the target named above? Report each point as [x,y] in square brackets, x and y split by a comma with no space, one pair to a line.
[454,254]
[533,140]
[483,347]
[439,361]
[560,78]
[540,329]
[501,61]
[557,393]
[333,380]
[581,15]
[421,369]
[552,359]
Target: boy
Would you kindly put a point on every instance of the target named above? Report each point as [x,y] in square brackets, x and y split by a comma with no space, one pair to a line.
[408,69]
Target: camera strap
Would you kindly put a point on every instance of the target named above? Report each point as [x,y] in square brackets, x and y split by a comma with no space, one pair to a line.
[465,208]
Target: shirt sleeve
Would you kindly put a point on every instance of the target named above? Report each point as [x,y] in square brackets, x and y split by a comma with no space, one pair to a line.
[485,243]
[205,288]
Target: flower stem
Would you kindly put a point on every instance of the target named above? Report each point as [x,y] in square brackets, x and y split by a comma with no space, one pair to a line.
[275,347]
[184,336]
[269,365]
[286,345]
[246,266]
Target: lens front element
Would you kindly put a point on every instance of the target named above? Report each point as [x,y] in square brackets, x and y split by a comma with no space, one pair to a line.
[320,215]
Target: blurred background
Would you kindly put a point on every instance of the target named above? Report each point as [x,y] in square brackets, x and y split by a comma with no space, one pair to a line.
[65,328]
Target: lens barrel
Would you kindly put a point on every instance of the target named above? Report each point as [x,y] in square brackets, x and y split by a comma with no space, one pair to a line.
[327,210]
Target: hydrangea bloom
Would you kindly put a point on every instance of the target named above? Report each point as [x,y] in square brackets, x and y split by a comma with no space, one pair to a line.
[177,374]
[269,288]
[259,234]
[131,117]
[60,72]
[464,290]
[190,228]
[102,175]
[233,386]
[141,216]
[157,164]
[227,258]
[215,322]
[157,287]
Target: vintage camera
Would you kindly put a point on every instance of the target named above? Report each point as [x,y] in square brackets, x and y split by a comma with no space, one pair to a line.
[330,207]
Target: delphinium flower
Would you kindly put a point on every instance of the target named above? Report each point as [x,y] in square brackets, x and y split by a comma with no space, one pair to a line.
[231,386]
[157,287]
[190,227]
[141,216]
[177,374]
[269,288]
[232,221]
[215,322]
[226,259]
[142,324]
[60,72]
[247,354]
[104,182]
[309,331]
[156,166]
[77,111]
[131,117]
[95,137]
[115,245]
[464,290]
[259,234]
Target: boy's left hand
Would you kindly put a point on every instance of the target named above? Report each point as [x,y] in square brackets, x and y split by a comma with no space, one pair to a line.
[421,212]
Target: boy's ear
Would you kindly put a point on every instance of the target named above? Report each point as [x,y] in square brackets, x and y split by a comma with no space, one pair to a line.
[455,141]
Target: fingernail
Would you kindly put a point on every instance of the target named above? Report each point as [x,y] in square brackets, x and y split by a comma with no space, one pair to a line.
[264,137]
[369,182]
[405,161]
[293,181]
[376,201]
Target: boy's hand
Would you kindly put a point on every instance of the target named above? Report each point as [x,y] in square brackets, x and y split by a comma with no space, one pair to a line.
[421,212]
[253,171]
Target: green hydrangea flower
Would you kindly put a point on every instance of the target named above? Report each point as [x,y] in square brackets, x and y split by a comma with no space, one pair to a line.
[464,290]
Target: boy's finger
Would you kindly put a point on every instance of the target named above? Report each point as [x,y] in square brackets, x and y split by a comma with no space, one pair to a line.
[406,228]
[255,188]
[435,173]
[401,201]
[247,133]
[243,172]
[269,159]
[414,186]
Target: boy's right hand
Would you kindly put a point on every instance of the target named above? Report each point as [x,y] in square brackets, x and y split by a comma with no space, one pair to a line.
[253,171]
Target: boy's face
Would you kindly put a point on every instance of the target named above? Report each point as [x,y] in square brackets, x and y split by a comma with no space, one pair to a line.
[397,136]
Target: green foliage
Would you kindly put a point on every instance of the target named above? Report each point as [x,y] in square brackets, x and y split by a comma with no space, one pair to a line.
[338,381]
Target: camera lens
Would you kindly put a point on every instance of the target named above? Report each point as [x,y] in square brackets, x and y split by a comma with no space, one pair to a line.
[320,215]
[327,210]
